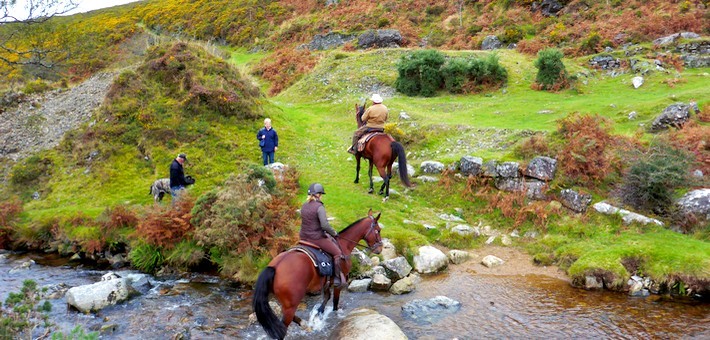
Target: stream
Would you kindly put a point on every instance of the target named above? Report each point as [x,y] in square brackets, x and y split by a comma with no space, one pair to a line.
[493,306]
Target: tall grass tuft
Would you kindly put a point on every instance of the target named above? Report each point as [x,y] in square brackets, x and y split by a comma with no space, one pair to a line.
[147,258]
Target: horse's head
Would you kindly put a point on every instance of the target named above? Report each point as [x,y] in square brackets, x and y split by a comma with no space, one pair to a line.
[372,236]
[359,110]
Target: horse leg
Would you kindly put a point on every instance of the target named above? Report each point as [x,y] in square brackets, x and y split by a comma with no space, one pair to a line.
[371,184]
[336,298]
[326,296]
[385,180]
[357,169]
[289,314]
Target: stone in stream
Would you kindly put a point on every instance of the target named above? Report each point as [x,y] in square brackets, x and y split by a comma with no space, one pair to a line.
[367,324]
[430,311]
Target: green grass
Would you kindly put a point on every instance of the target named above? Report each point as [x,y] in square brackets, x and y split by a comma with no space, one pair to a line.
[315,120]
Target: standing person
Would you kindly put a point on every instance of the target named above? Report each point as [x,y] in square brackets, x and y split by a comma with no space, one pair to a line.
[177,176]
[268,141]
[316,229]
[374,119]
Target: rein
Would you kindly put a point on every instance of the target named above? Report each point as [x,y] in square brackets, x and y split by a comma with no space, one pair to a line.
[357,243]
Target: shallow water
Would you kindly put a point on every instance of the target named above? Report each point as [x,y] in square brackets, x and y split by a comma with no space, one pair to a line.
[516,306]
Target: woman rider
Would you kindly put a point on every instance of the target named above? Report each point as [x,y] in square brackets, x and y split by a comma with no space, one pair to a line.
[316,229]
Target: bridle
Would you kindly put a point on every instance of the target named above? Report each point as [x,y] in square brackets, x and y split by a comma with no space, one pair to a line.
[378,238]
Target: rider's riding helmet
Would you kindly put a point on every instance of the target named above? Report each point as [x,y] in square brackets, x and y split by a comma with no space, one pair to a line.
[316,188]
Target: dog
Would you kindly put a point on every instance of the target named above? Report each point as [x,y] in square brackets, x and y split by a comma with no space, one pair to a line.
[159,189]
[162,186]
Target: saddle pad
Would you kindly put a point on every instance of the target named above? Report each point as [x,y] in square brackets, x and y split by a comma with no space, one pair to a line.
[365,138]
[320,259]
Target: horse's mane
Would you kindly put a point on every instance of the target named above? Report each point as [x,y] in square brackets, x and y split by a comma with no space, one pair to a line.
[352,224]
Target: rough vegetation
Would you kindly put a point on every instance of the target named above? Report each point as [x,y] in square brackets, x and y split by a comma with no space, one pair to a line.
[182,98]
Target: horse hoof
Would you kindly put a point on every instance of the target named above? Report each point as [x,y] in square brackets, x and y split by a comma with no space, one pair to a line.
[385,199]
[370,191]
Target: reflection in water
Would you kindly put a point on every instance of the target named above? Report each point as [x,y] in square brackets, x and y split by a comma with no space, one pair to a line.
[518,306]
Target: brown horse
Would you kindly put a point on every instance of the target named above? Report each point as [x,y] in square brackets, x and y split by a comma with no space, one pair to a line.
[291,274]
[381,151]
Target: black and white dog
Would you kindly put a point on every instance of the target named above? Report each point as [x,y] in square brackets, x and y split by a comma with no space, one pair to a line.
[162,186]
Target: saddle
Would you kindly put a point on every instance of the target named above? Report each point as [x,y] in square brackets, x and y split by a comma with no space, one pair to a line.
[365,138]
[321,260]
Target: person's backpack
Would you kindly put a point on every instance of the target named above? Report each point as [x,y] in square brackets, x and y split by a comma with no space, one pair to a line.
[262,141]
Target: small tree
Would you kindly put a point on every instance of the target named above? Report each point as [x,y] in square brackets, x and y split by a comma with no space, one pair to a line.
[551,74]
[653,177]
[419,73]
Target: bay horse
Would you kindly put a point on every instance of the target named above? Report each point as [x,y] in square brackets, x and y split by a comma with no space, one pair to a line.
[381,151]
[291,274]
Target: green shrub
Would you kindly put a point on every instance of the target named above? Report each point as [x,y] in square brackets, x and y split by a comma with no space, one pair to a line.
[468,75]
[512,35]
[146,258]
[591,43]
[36,86]
[653,177]
[29,170]
[551,71]
[419,73]
[455,73]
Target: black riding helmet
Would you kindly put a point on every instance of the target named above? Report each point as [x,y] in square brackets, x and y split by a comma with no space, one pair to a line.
[316,188]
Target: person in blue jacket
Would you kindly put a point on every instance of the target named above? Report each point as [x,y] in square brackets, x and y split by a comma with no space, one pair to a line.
[268,141]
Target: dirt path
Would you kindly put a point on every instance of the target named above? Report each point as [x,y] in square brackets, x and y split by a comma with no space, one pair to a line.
[517,262]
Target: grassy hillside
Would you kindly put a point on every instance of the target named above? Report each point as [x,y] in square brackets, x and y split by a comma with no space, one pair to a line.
[182,99]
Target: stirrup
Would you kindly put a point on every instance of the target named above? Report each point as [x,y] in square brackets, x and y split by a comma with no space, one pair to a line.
[352,150]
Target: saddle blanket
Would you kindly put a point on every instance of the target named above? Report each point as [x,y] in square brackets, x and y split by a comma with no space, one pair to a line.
[321,260]
[365,138]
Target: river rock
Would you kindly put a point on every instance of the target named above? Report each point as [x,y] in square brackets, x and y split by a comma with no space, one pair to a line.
[459,256]
[99,295]
[53,291]
[367,324]
[592,283]
[696,202]
[359,286]
[380,282]
[430,311]
[430,260]
[403,286]
[491,261]
[22,267]
[397,268]
[388,250]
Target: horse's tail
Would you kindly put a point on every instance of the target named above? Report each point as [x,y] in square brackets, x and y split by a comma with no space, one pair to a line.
[268,320]
[398,150]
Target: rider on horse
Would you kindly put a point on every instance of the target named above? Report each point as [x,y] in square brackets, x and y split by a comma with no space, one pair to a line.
[316,229]
[373,119]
